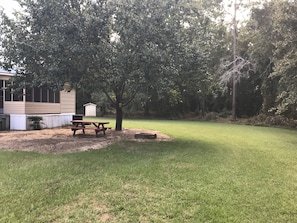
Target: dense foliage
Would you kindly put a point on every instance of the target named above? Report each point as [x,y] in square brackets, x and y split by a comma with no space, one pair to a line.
[270,35]
[163,56]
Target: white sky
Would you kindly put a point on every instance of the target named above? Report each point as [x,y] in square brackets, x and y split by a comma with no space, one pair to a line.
[9,6]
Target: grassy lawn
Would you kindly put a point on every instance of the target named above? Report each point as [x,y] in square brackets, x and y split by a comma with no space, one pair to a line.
[210,172]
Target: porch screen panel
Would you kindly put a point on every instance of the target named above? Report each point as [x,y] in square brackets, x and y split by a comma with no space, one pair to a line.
[7,95]
[57,97]
[44,92]
[29,94]
[17,95]
[51,96]
[1,93]
[36,94]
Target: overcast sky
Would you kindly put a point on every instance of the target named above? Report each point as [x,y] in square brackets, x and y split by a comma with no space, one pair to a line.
[10,5]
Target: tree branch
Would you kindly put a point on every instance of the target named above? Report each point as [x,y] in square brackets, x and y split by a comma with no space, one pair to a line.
[235,67]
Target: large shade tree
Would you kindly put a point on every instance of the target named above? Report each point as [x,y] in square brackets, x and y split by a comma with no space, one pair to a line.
[270,36]
[285,57]
[121,47]
[258,38]
[53,40]
[157,48]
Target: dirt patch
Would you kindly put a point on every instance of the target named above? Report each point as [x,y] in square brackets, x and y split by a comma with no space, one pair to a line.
[60,140]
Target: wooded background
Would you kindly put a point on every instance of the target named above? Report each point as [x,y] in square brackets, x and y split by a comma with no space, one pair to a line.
[165,58]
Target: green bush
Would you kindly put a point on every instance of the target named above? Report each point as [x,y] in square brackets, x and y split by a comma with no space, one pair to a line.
[35,122]
[272,120]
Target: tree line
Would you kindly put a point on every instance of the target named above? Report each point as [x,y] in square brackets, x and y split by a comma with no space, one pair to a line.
[157,57]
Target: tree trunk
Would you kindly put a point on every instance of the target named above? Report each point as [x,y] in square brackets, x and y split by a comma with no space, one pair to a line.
[234,70]
[119,117]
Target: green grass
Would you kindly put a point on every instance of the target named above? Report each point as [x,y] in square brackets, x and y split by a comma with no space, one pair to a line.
[210,172]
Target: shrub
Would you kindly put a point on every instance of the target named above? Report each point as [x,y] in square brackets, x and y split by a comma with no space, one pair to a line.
[35,122]
[211,116]
[272,120]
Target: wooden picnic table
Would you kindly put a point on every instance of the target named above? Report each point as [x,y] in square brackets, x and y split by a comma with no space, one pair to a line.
[83,125]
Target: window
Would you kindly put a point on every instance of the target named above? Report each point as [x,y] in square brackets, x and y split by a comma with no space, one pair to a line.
[43,94]
[7,95]
[1,93]
[10,94]
[36,94]
[17,95]
[51,96]
[57,97]
[29,94]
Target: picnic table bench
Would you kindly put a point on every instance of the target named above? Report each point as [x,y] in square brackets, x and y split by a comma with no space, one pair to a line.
[83,125]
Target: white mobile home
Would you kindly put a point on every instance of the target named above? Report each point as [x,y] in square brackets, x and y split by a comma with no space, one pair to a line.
[55,107]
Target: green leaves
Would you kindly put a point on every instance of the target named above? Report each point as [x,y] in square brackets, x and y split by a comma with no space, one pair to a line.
[122,47]
[270,37]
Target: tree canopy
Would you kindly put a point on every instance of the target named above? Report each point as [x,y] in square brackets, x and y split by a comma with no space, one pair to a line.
[164,56]
[122,48]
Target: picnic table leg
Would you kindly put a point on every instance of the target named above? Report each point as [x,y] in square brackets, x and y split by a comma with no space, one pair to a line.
[103,129]
[97,130]
[100,128]
[83,126]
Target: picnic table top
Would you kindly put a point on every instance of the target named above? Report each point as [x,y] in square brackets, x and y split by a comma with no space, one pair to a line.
[89,121]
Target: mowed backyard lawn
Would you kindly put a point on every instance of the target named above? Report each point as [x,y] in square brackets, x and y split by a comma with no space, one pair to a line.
[209,172]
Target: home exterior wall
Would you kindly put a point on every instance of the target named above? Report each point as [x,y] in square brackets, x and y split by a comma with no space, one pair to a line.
[67,101]
[5,77]
[42,108]
[56,120]
[18,122]
[14,107]
[4,122]
[66,105]
[21,122]
[53,114]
